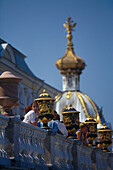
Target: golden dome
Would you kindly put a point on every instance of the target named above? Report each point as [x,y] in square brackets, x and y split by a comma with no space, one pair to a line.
[70,62]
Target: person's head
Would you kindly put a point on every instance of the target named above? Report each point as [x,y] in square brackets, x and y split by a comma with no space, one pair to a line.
[55,114]
[22,118]
[57,117]
[83,127]
[34,106]
[27,109]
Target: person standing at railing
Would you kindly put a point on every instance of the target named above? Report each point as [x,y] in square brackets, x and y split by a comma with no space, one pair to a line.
[82,133]
[27,109]
[61,127]
[32,116]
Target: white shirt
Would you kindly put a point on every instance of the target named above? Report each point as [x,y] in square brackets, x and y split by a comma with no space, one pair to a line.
[30,117]
[62,127]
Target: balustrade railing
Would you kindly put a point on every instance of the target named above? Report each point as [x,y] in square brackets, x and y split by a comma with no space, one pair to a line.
[31,144]
[4,159]
[25,146]
[58,151]
[63,152]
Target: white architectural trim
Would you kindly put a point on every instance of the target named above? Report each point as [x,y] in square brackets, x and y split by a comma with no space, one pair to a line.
[9,51]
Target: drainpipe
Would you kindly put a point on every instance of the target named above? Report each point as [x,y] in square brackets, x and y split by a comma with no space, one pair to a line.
[40,88]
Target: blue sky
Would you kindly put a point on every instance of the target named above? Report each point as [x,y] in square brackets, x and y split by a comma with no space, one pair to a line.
[35,28]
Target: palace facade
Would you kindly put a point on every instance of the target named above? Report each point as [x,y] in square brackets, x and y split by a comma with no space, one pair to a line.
[31,86]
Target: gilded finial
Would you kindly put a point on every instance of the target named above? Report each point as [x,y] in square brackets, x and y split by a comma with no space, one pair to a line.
[70,105]
[44,93]
[69,28]
[65,107]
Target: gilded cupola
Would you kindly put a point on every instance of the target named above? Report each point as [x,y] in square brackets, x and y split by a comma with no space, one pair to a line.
[70,65]
[70,62]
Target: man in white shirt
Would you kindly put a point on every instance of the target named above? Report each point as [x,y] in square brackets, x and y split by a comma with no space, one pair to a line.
[61,127]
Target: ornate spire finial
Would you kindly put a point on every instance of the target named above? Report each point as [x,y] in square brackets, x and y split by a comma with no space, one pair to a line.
[69,28]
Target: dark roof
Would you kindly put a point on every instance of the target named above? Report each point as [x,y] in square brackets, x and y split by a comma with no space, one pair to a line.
[19,58]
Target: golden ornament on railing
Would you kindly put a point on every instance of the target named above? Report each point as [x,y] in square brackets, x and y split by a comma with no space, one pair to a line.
[46,108]
[105,138]
[71,120]
[92,130]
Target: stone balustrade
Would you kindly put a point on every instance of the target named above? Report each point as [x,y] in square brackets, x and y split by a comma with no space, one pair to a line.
[4,159]
[24,146]
[58,151]
[62,152]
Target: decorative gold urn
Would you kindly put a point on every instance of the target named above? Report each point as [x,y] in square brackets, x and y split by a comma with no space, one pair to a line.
[105,138]
[46,108]
[71,120]
[92,130]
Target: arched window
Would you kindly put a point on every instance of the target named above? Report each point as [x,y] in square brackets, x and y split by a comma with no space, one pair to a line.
[70,81]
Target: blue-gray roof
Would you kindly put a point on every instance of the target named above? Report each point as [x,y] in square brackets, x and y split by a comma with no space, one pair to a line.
[19,58]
